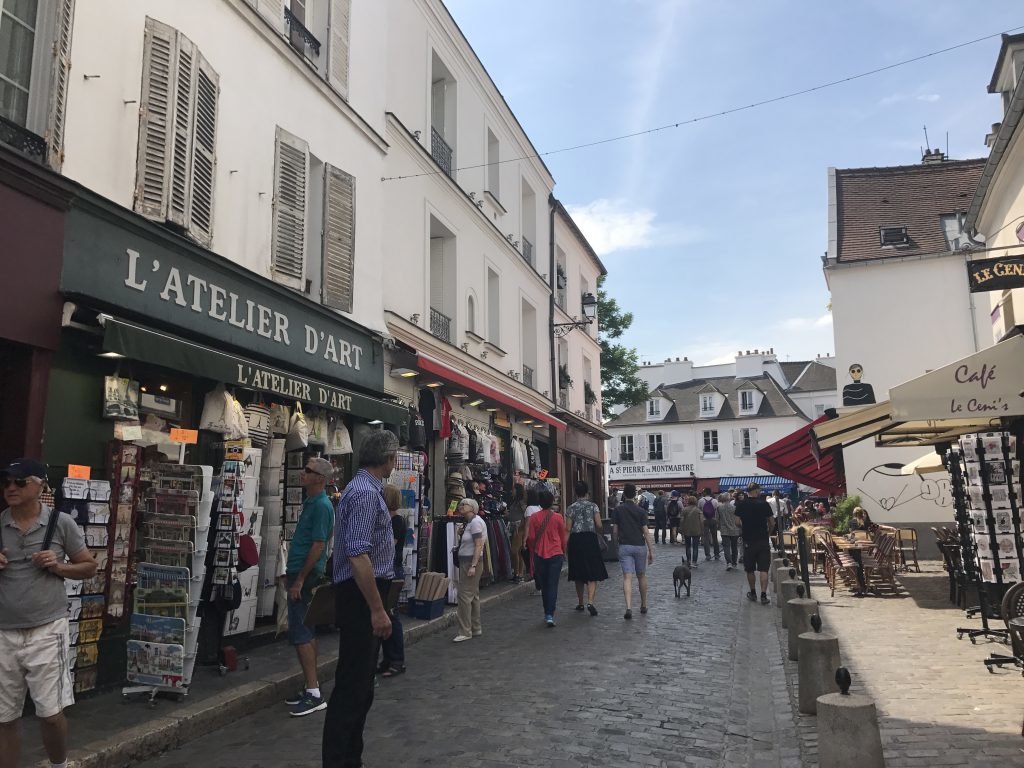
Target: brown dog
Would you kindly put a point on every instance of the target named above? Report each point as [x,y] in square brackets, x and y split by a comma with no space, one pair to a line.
[681,578]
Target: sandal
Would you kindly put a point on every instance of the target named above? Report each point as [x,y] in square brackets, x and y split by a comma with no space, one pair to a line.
[393,670]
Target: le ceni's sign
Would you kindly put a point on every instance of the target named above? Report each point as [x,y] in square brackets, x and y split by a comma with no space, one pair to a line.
[157,279]
[995,274]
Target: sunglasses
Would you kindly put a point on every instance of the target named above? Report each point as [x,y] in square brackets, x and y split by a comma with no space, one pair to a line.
[309,471]
[21,482]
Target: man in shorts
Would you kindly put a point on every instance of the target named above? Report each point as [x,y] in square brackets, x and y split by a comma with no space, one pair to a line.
[636,550]
[754,515]
[34,610]
[307,558]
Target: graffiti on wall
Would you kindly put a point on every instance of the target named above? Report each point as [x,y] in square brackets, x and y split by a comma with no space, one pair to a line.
[891,490]
[859,392]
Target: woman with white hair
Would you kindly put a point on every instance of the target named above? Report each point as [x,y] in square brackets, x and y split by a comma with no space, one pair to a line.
[471,550]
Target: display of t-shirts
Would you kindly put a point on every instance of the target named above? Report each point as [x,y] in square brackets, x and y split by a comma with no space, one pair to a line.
[427,410]
[444,429]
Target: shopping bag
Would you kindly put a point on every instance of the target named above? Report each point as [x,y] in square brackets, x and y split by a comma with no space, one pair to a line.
[318,428]
[257,418]
[339,441]
[215,410]
[281,604]
[280,419]
[298,432]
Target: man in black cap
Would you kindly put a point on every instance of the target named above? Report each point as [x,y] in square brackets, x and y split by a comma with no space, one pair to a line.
[756,520]
[35,541]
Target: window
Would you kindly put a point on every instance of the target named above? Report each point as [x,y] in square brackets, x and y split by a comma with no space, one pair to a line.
[744,442]
[654,407]
[293,189]
[493,165]
[528,215]
[18,21]
[471,314]
[654,448]
[710,442]
[746,400]
[952,228]
[625,448]
[707,405]
[819,410]
[177,133]
[493,307]
[528,344]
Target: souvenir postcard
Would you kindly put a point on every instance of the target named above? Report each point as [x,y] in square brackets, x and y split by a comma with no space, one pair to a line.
[159,664]
[74,608]
[88,653]
[73,488]
[95,585]
[92,607]
[162,590]
[96,535]
[157,629]
[99,512]
[85,679]
[295,459]
[99,490]
[222,575]
[89,630]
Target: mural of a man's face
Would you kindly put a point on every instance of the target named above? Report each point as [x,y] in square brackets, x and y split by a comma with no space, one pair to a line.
[856,372]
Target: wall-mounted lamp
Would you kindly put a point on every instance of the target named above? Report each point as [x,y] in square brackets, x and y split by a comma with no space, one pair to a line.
[405,373]
[588,305]
[476,402]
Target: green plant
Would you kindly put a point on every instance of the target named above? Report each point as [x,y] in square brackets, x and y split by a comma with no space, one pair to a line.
[843,513]
[564,379]
[588,394]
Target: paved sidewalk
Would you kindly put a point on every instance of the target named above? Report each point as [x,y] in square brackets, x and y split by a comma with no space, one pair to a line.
[937,705]
[108,731]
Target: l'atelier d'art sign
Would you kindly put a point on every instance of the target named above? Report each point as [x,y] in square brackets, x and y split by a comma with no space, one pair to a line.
[995,274]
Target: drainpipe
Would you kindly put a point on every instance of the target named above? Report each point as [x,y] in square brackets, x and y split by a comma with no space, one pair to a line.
[551,297]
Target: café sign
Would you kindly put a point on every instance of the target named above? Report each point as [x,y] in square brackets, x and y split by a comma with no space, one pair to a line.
[989,383]
[648,471]
[132,269]
[995,274]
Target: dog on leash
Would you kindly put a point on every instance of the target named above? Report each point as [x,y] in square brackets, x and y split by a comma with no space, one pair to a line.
[681,578]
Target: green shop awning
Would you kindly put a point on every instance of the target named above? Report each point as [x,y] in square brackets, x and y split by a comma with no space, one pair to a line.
[149,346]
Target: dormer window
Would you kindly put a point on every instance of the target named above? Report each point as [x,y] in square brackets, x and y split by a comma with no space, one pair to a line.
[653,408]
[707,405]
[746,400]
[893,237]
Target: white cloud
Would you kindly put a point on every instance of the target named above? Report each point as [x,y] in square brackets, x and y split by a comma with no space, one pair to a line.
[611,226]
[929,97]
[804,323]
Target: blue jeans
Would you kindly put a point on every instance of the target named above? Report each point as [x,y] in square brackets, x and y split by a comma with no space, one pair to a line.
[548,570]
[692,548]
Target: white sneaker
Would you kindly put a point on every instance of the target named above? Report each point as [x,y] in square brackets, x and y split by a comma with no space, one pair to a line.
[461,638]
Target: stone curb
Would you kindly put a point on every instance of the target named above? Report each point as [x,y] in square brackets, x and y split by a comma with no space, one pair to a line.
[191,721]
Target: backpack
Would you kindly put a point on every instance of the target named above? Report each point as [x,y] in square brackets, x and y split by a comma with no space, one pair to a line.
[673,508]
[707,506]
[644,503]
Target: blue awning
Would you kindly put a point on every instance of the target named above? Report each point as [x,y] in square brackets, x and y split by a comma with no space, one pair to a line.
[767,483]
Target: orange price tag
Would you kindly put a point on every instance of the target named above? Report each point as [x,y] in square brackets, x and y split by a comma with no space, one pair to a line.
[79,471]
[187,436]
[543,474]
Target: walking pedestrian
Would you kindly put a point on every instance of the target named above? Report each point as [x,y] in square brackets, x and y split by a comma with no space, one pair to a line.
[709,510]
[471,550]
[636,549]
[730,530]
[660,517]
[754,515]
[34,540]
[675,512]
[307,558]
[546,539]
[778,510]
[364,550]
[517,532]
[691,525]
[393,648]
[586,566]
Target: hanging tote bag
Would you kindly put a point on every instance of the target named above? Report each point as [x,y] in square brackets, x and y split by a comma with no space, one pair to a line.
[257,417]
[318,428]
[339,441]
[298,432]
[238,428]
[215,410]
[280,419]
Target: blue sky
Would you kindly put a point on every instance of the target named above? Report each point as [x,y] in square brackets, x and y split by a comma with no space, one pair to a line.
[713,233]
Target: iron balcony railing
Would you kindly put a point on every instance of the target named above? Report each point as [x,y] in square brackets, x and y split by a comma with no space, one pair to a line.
[528,251]
[563,400]
[22,140]
[301,37]
[440,325]
[528,376]
[440,151]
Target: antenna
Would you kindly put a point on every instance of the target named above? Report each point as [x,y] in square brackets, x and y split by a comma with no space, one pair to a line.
[947,145]
[927,143]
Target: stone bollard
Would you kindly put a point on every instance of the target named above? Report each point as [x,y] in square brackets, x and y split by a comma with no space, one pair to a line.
[787,592]
[773,571]
[819,658]
[800,611]
[848,735]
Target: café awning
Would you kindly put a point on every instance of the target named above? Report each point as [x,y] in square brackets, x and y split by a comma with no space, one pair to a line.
[877,421]
[767,483]
[795,457]
[929,464]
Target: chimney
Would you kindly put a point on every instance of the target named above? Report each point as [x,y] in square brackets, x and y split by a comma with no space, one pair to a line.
[990,140]
[933,156]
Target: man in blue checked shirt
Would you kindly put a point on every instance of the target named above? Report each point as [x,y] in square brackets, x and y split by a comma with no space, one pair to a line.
[364,550]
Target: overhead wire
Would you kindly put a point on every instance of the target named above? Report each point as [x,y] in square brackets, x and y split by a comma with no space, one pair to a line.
[722,113]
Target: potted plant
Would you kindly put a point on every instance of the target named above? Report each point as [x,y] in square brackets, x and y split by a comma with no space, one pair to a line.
[843,513]
[564,379]
[588,394]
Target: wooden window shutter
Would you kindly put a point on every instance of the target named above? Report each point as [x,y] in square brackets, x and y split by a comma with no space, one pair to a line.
[640,447]
[272,11]
[181,135]
[60,72]
[156,119]
[288,242]
[204,142]
[737,443]
[339,238]
[339,25]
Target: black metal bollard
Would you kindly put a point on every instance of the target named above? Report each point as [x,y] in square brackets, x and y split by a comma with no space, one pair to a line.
[805,570]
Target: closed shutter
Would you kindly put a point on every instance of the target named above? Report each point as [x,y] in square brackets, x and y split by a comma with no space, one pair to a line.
[339,25]
[291,163]
[737,443]
[613,450]
[204,142]
[181,141]
[273,12]
[60,71]
[156,119]
[753,441]
[339,238]
[640,446]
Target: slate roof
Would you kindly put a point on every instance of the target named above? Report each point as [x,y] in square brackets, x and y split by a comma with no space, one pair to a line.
[814,378]
[792,370]
[912,196]
[686,402]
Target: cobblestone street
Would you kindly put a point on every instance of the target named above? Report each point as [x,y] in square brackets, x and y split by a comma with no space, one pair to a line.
[695,682]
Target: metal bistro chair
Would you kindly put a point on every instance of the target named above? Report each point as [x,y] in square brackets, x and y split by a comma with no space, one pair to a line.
[789,545]
[906,547]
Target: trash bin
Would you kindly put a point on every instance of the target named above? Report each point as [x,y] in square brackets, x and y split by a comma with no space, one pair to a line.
[611,552]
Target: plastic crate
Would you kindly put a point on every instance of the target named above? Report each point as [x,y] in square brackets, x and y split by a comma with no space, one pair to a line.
[427,610]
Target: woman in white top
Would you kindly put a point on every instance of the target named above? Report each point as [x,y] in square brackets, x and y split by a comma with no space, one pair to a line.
[471,551]
[532,502]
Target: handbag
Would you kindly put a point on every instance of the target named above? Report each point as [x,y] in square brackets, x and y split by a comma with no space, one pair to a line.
[540,535]
[215,410]
[257,417]
[602,542]
[339,441]
[280,419]
[318,428]
[298,432]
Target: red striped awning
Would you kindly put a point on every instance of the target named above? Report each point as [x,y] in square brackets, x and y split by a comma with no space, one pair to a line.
[796,457]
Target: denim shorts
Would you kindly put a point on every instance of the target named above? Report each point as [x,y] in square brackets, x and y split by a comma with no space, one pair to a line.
[633,558]
[298,632]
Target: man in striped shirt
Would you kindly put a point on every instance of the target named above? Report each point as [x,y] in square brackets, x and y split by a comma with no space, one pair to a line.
[364,551]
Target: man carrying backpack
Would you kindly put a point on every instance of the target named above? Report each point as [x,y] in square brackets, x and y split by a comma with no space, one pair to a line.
[709,509]
[660,517]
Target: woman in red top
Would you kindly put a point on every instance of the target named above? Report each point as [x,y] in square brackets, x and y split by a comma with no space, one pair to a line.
[546,538]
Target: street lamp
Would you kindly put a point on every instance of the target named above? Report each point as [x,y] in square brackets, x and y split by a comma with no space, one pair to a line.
[589,310]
